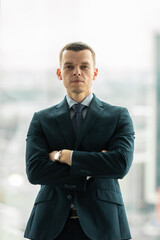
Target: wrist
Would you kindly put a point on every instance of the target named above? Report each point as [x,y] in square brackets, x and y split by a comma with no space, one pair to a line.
[57,155]
[60,155]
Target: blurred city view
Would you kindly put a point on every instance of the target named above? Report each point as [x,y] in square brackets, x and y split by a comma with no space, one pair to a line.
[30,84]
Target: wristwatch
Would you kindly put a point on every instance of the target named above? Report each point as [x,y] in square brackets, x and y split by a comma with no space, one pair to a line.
[57,156]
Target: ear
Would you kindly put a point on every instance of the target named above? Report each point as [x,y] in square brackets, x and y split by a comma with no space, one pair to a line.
[59,73]
[95,73]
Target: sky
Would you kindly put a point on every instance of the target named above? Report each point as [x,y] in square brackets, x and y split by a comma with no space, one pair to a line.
[122,33]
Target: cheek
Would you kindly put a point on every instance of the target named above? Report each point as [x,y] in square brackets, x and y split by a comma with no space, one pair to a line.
[65,77]
[90,78]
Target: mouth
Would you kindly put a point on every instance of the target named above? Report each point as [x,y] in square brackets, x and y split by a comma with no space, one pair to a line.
[77,80]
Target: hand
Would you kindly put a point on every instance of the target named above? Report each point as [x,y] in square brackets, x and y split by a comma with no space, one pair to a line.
[64,157]
[104,150]
[51,156]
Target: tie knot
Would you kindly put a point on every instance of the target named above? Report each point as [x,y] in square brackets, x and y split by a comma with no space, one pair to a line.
[78,107]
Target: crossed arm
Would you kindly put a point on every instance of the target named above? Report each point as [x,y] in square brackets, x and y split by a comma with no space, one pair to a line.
[65,156]
[41,167]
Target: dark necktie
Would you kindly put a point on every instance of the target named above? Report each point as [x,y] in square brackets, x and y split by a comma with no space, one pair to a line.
[77,118]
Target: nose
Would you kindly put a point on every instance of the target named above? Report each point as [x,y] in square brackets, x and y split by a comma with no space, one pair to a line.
[77,71]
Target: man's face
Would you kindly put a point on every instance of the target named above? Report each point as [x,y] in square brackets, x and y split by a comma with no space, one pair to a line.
[77,72]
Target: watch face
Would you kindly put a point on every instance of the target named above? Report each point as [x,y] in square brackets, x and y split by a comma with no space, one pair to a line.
[56,156]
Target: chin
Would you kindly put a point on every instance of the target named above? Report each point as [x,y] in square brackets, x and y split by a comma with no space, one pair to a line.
[78,91]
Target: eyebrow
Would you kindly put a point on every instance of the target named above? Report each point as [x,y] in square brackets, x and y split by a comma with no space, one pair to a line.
[66,63]
[87,63]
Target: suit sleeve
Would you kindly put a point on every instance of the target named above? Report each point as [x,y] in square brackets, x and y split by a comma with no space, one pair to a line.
[39,169]
[114,163]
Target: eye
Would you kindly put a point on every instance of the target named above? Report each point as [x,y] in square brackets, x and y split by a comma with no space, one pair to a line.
[84,66]
[68,67]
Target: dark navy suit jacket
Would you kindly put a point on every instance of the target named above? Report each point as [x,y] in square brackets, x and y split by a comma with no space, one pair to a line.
[98,200]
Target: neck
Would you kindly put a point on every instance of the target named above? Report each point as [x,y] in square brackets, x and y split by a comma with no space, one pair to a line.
[78,97]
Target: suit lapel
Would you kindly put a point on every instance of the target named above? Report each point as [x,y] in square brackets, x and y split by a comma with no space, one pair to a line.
[65,123]
[94,111]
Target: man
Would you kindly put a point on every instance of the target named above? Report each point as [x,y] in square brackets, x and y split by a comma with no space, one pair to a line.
[77,150]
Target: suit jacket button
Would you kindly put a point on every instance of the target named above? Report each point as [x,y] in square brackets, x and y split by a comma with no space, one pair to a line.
[69,197]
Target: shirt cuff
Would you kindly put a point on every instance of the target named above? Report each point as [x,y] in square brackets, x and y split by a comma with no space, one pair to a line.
[71,157]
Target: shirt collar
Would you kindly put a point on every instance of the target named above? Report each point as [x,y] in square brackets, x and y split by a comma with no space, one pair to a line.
[85,102]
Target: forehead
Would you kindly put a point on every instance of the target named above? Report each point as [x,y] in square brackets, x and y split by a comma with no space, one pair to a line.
[77,57]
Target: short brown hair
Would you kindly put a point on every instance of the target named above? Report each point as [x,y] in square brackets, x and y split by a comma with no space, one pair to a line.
[77,46]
